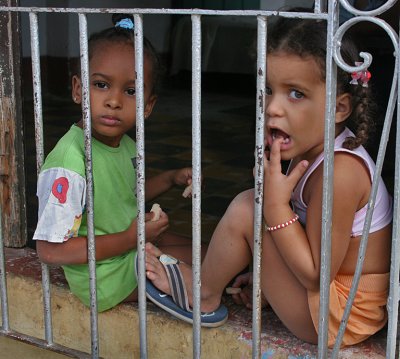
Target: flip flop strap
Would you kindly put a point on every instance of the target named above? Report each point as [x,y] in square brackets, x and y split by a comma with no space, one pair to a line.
[177,285]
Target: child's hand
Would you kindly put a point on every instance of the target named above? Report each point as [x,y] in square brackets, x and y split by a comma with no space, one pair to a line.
[278,187]
[183,176]
[245,296]
[154,228]
[156,210]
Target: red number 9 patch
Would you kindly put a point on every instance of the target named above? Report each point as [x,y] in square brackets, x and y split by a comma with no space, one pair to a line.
[60,189]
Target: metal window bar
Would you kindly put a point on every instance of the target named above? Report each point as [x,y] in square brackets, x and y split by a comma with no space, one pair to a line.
[394,290]
[319,6]
[258,181]
[327,197]
[38,114]
[196,180]
[5,325]
[87,127]
[379,161]
[140,181]
[394,284]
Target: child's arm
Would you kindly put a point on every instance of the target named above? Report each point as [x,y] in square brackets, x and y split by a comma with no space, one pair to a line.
[74,250]
[164,181]
[300,247]
[351,189]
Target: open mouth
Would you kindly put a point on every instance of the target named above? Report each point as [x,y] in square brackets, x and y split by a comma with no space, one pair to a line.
[275,134]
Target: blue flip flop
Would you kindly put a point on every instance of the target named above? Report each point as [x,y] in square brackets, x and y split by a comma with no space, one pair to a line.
[177,304]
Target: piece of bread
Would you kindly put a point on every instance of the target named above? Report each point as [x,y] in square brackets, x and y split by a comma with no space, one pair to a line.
[231,290]
[156,209]
[187,192]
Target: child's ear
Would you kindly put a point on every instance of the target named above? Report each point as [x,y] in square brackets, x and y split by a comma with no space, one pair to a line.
[148,109]
[76,89]
[343,107]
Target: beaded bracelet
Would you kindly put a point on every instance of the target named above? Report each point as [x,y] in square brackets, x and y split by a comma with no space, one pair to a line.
[282,225]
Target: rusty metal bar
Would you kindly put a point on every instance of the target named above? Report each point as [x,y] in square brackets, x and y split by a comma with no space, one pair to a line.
[393,300]
[87,127]
[379,164]
[327,198]
[5,325]
[140,138]
[259,181]
[165,11]
[394,295]
[38,114]
[196,164]
[72,353]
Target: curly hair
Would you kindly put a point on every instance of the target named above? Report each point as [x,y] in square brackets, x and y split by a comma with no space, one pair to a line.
[308,38]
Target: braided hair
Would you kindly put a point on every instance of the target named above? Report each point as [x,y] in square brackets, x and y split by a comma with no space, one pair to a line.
[307,38]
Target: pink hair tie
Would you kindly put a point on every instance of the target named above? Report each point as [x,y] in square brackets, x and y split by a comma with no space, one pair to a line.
[363,76]
[282,225]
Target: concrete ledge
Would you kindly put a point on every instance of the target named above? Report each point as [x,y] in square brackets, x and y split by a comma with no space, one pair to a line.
[167,336]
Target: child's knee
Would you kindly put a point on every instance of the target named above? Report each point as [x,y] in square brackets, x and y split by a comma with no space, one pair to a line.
[242,205]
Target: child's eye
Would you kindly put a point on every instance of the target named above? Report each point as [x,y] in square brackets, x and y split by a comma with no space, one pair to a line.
[100,84]
[268,91]
[295,94]
[131,91]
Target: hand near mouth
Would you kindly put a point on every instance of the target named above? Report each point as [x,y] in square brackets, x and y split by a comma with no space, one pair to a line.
[278,186]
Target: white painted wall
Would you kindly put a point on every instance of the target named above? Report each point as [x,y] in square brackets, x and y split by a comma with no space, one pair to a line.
[59,33]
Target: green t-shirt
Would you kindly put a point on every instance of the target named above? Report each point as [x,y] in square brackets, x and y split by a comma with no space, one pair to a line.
[62,209]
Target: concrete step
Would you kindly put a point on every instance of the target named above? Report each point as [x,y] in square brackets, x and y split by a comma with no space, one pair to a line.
[15,349]
[167,337]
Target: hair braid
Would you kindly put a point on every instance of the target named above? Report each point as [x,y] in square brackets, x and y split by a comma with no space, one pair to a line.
[361,119]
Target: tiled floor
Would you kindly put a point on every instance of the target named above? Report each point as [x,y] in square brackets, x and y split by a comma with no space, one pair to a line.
[227,147]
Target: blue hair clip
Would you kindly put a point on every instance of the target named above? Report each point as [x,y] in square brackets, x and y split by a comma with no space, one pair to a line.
[125,24]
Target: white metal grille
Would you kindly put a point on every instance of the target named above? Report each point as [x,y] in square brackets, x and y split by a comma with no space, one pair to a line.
[333,58]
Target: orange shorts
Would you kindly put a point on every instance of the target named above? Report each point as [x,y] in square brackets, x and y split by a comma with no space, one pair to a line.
[368,313]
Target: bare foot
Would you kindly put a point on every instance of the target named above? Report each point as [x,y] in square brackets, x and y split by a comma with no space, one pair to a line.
[155,272]
[152,249]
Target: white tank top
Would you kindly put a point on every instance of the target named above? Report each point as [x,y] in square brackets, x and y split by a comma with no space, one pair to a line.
[383,211]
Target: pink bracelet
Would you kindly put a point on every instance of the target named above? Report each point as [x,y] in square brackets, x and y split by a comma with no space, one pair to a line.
[282,225]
